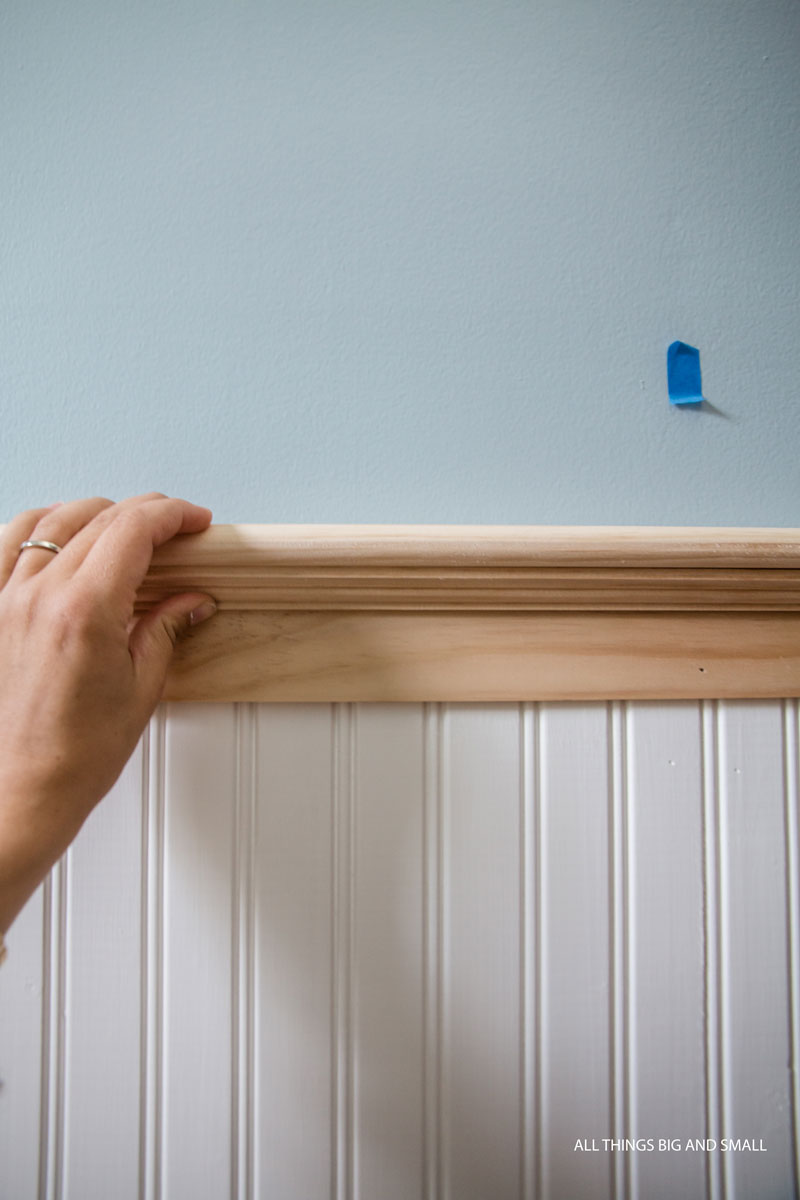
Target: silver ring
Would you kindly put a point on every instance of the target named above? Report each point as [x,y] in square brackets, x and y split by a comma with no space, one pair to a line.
[41,546]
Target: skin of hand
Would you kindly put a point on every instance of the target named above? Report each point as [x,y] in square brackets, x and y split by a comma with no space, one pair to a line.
[80,674]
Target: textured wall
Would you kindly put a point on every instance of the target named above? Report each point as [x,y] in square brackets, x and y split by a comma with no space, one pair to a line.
[340,261]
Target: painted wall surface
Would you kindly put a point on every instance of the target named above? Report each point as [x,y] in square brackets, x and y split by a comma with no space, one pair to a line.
[419,952]
[322,260]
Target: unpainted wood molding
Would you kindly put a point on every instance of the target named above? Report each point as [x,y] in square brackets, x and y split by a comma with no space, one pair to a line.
[366,568]
[485,613]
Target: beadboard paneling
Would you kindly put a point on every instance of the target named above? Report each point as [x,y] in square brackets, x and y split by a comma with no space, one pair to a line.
[416,951]
[665,950]
[298,1056]
[96,941]
[574,972]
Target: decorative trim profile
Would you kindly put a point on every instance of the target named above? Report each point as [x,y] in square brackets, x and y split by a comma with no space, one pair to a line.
[485,613]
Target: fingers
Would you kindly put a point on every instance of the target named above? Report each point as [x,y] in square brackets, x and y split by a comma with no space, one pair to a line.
[74,526]
[19,529]
[79,539]
[116,564]
[106,545]
[154,636]
[58,525]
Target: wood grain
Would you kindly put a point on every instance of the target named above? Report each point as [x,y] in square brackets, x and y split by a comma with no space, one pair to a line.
[478,568]
[376,656]
[485,613]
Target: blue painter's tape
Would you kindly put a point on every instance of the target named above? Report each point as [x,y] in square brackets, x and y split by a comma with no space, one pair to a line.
[683,374]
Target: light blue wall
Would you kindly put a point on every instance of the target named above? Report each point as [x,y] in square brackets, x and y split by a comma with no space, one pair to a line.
[404,262]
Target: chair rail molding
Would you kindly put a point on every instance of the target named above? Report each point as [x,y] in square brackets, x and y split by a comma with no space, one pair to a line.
[485,613]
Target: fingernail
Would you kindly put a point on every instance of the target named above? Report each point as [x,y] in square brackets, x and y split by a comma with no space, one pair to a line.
[202,612]
[57,504]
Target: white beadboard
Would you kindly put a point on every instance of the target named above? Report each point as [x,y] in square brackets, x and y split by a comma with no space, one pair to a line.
[296,1012]
[572,972]
[665,950]
[417,952]
[481,968]
[98,1115]
[193,1153]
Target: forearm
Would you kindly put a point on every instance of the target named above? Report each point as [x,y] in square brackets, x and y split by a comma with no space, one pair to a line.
[34,833]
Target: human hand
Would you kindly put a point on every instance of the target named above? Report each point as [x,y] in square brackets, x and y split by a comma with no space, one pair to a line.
[80,674]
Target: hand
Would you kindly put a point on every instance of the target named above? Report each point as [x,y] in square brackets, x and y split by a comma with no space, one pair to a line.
[80,675]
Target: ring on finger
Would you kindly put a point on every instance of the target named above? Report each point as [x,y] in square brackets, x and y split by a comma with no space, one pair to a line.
[39,545]
[57,528]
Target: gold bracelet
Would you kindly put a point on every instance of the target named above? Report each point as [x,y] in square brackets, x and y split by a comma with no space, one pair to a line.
[3,950]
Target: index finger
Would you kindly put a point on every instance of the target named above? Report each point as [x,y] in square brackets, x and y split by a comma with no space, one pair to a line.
[115,567]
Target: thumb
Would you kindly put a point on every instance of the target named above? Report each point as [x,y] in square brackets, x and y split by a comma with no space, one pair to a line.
[156,634]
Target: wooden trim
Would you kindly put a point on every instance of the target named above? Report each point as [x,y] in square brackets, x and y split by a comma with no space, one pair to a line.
[506,613]
[363,568]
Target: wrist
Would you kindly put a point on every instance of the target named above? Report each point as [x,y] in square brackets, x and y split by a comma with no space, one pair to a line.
[36,828]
